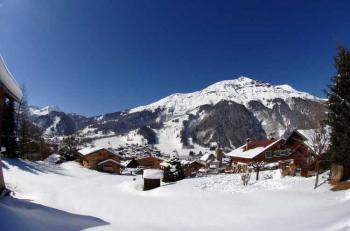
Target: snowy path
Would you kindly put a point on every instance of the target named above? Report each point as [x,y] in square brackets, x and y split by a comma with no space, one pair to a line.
[208,203]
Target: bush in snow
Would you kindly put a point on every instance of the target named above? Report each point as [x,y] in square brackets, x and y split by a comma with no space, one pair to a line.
[245,178]
[69,148]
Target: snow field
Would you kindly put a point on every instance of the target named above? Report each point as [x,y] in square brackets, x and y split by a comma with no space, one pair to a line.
[206,203]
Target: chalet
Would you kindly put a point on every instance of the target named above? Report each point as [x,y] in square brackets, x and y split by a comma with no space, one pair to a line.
[9,89]
[207,159]
[191,168]
[270,151]
[101,159]
[149,162]
[152,178]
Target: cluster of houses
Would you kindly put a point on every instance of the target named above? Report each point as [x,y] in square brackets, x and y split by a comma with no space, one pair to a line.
[291,154]
[130,151]
[114,161]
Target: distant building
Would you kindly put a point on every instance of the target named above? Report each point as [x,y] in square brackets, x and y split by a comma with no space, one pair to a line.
[191,168]
[207,159]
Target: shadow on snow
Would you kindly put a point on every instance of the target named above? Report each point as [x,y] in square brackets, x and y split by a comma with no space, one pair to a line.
[17,214]
[30,166]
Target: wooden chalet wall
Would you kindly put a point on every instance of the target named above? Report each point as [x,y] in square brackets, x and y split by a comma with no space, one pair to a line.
[149,162]
[301,154]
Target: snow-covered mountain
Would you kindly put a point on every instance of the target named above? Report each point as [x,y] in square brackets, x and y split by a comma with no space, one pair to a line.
[242,91]
[54,122]
[227,112]
[37,111]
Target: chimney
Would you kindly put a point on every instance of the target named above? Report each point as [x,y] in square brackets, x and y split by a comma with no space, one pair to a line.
[247,143]
[219,154]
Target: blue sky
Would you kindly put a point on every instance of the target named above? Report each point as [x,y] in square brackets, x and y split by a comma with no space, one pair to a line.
[102,56]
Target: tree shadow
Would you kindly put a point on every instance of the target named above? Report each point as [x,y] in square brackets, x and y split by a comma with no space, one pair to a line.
[17,214]
[32,167]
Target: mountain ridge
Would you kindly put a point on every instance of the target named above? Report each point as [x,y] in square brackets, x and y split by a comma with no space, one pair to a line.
[228,111]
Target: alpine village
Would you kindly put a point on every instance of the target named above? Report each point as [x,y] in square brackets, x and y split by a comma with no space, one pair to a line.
[300,152]
[239,154]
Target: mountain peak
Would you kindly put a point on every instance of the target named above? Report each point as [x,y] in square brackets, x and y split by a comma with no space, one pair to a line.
[245,79]
[40,111]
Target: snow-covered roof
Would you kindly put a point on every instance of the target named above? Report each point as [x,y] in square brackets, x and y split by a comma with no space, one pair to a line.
[241,152]
[206,156]
[152,174]
[9,82]
[89,150]
[308,134]
[110,160]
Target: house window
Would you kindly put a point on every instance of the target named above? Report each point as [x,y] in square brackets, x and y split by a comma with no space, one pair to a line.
[284,152]
[277,153]
[268,154]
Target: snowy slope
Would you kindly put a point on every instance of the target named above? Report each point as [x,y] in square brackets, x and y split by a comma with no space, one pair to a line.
[241,90]
[111,202]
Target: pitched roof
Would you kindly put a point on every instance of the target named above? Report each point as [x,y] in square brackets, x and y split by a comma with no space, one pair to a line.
[110,160]
[206,157]
[256,147]
[90,150]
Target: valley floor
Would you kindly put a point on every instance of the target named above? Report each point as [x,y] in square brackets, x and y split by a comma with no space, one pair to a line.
[69,197]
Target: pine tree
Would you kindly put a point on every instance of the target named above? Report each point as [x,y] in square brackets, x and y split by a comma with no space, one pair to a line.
[339,109]
[23,125]
[9,128]
[69,148]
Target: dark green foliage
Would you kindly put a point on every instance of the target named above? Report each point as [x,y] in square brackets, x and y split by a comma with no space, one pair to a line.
[69,148]
[339,109]
[31,145]
[185,134]
[9,130]
[148,134]
[174,171]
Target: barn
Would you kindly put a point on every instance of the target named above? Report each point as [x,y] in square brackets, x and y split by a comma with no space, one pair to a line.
[9,89]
